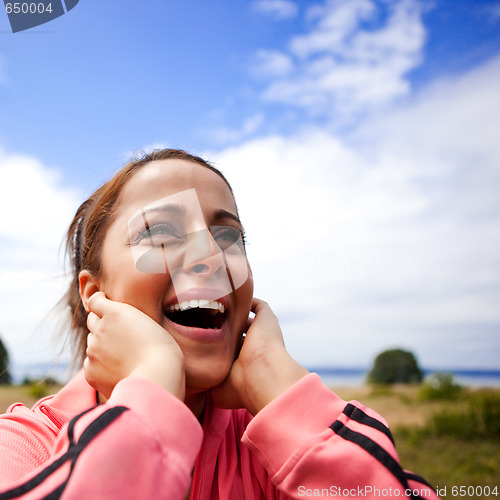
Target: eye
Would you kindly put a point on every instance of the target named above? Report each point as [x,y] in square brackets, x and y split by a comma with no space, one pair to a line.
[227,236]
[158,234]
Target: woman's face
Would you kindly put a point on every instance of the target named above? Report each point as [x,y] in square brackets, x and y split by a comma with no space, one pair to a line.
[175,252]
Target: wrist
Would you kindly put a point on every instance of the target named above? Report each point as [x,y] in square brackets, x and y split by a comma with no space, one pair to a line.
[284,372]
[167,374]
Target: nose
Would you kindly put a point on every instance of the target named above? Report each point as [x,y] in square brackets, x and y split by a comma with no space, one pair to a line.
[203,256]
[207,267]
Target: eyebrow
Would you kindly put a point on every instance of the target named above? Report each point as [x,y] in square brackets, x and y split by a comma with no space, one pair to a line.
[180,210]
[224,214]
[173,208]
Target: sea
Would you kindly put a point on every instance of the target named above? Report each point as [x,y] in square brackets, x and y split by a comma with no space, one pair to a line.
[340,377]
[356,377]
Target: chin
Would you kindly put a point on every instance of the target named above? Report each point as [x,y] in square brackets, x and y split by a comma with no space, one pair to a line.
[206,375]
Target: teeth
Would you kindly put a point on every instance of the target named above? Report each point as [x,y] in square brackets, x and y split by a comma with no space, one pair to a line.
[203,304]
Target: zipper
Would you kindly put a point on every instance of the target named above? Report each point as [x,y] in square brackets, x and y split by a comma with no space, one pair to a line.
[194,480]
[46,411]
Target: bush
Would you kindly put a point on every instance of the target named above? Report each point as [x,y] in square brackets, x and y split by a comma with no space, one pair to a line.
[485,410]
[39,388]
[440,387]
[395,366]
[480,420]
[5,377]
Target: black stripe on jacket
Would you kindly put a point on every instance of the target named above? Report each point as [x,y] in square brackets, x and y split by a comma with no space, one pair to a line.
[72,454]
[361,417]
[375,450]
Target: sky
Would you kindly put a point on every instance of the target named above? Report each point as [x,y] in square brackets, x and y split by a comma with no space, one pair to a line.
[360,137]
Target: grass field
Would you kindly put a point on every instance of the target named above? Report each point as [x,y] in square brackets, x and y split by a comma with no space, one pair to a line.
[15,394]
[446,461]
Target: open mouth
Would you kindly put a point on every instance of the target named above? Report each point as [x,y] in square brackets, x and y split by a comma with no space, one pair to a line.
[197,314]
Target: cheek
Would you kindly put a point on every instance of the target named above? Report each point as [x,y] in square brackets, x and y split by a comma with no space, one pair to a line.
[238,269]
[243,301]
[143,291]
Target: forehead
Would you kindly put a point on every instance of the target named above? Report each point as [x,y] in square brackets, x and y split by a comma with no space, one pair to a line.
[160,179]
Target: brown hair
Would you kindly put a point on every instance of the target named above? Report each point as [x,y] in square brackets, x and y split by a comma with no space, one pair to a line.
[88,229]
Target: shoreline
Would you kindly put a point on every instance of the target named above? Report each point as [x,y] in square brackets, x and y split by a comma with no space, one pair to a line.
[348,377]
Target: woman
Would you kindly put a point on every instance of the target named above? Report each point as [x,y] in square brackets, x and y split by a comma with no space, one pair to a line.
[160,297]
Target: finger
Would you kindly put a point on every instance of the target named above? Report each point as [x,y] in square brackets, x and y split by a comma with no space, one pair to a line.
[259,305]
[91,371]
[249,323]
[92,321]
[262,308]
[86,365]
[265,323]
[91,345]
[256,303]
[98,303]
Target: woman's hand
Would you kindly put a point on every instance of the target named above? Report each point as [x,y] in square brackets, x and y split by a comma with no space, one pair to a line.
[263,369]
[125,342]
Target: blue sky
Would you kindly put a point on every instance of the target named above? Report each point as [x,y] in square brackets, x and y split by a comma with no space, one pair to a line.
[369,128]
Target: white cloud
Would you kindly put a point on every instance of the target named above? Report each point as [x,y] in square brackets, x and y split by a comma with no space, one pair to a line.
[352,59]
[389,237]
[279,9]
[271,63]
[224,135]
[36,211]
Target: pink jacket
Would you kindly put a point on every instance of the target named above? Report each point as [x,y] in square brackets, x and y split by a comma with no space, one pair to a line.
[143,443]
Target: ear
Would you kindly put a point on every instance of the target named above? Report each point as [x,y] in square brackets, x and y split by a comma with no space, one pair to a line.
[89,285]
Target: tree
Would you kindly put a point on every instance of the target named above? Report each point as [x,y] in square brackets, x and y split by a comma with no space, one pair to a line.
[440,386]
[5,377]
[395,366]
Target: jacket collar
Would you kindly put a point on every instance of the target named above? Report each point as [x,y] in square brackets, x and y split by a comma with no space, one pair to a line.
[77,396]
[74,398]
